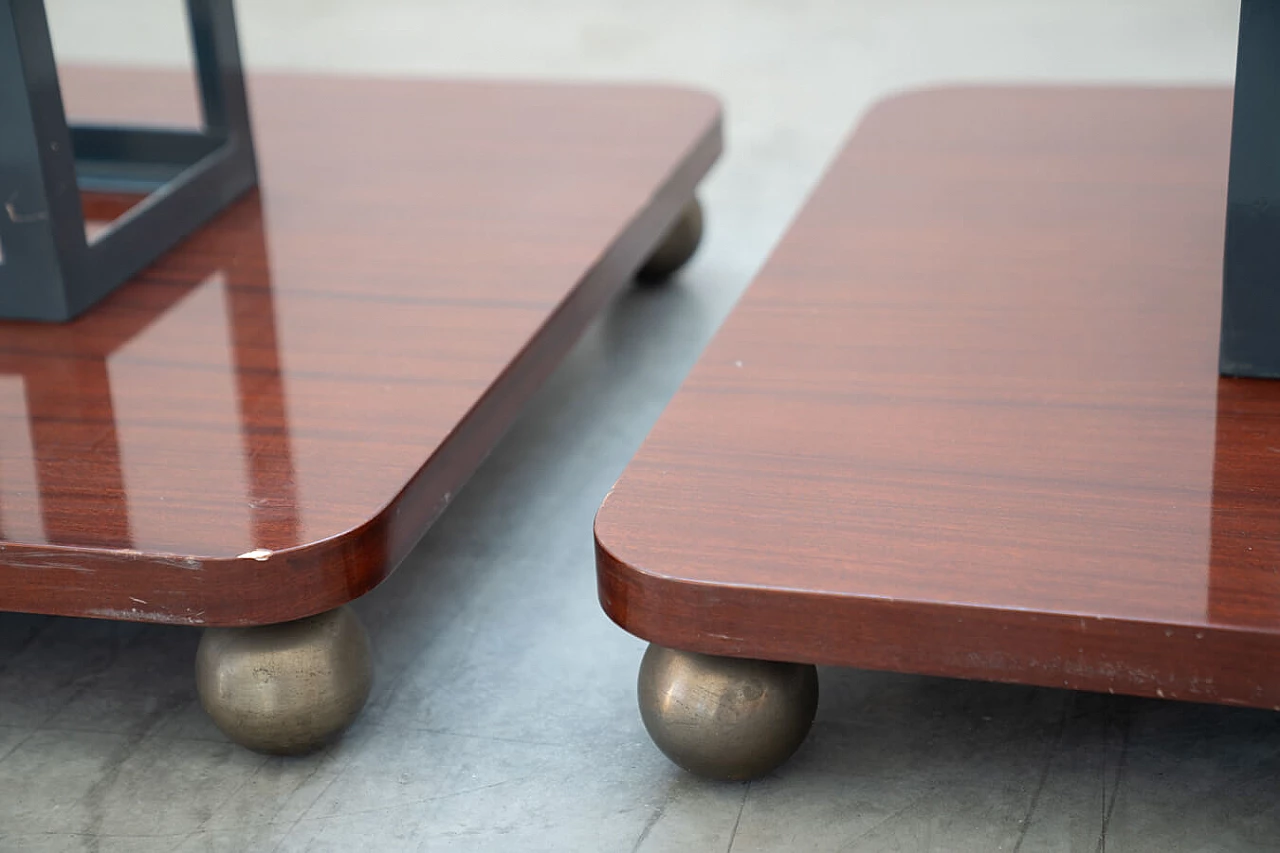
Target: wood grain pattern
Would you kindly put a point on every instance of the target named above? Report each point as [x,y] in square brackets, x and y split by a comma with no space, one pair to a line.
[262,424]
[967,421]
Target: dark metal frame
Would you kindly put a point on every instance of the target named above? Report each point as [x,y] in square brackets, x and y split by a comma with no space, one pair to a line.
[49,270]
[1250,342]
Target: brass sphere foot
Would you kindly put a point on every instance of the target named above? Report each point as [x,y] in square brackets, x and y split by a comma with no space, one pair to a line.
[726,718]
[285,689]
[677,246]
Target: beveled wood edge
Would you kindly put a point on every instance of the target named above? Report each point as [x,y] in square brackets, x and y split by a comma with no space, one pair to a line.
[265,587]
[1100,654]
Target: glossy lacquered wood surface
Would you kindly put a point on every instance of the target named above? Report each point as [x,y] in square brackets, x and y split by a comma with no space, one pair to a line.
[968,422]
[262,424]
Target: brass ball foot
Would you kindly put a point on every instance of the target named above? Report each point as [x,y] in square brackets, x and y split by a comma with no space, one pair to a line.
[289,688]
[677,246]
[726,718]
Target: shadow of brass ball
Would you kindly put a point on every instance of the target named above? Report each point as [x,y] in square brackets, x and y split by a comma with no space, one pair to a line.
[677,246]
[285,689]
[726,718]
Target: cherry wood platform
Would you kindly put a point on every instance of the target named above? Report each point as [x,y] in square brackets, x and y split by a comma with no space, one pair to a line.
[968,422]
[262,424]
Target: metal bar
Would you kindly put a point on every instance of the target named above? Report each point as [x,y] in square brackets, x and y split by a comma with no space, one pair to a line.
[43,227]
[219,71]
[159,221]
[19,170]
[107,176]
[1250,342]
[141,145]
[118,159]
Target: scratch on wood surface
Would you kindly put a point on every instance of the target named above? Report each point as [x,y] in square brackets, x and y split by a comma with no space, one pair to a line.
[134,614]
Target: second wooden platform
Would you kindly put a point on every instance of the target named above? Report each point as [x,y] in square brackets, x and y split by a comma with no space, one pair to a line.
[968,420]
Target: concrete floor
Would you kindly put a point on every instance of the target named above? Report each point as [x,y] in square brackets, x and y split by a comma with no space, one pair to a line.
[503,717]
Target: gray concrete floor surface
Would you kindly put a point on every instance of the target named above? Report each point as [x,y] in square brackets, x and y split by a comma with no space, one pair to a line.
[503,715]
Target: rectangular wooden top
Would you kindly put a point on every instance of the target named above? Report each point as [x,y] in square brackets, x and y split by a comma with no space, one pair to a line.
[260,425]
[968,420]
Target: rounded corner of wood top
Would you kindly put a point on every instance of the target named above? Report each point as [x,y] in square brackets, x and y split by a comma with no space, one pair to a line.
[615,580]
[607,557]
[693,92]
[703,103]
[712,101]
[647,604]
[912,97]
[607,563]
[911,93]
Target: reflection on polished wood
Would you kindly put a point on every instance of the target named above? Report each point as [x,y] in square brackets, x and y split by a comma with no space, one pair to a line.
[263,423]
[968,420]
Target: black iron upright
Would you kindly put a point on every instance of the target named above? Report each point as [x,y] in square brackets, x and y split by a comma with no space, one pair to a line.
[48,269]
[1250,344]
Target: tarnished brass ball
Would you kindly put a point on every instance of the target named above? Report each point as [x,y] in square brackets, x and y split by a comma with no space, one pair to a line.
[289,688]
[726,718]
[677,246]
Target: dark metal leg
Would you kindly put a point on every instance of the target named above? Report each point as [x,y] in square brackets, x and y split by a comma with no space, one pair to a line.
[50,272]
[1250,344]
[221,76]
[41,227]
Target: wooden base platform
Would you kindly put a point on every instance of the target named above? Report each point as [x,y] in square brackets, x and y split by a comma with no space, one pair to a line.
[968,420]
[260,426]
